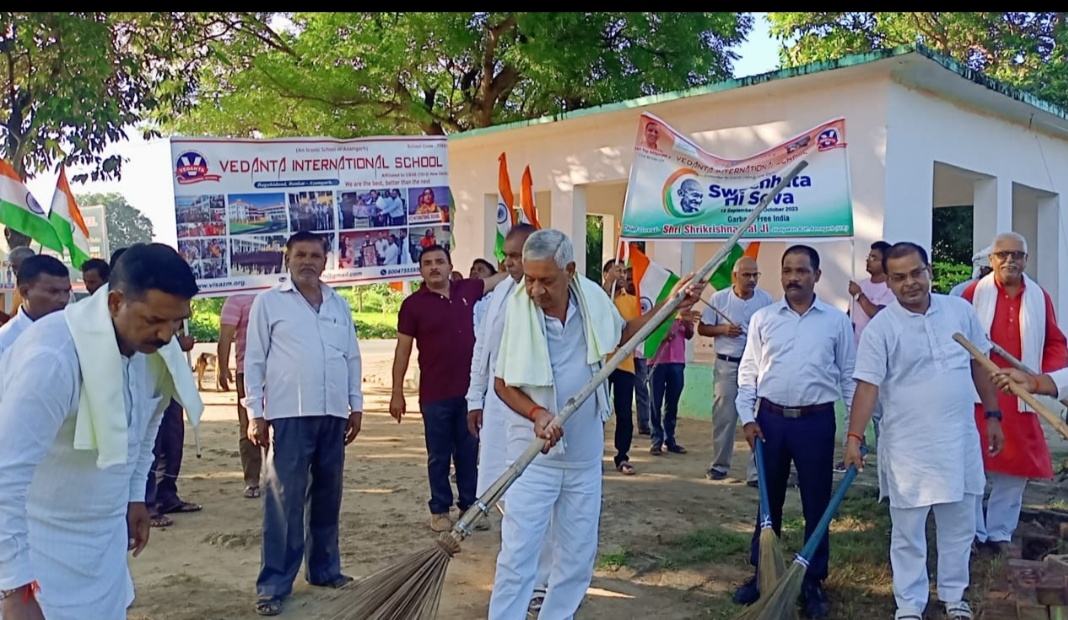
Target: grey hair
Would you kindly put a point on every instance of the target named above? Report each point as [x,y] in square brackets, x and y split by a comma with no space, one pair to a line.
[1011,235]
[549,244]
[20,253]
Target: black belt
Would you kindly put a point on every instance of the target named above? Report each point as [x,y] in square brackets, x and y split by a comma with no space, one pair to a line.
[727,358]
[795,412]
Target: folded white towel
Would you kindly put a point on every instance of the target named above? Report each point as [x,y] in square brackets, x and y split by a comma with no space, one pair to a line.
[523,360]
[101,423]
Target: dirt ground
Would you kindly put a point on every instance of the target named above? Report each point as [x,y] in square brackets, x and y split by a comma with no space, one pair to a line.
[205,566]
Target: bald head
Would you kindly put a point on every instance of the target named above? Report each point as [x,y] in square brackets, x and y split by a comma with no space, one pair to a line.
[744,276]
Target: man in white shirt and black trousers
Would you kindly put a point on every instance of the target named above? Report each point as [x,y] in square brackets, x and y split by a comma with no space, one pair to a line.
[798,361]
[303,380]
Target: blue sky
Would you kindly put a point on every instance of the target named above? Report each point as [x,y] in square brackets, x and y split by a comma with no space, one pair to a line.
[147,181]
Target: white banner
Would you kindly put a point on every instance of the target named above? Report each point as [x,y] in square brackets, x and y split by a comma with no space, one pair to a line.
[376,201]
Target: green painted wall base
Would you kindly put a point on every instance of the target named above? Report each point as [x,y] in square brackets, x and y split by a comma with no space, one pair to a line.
[696,402]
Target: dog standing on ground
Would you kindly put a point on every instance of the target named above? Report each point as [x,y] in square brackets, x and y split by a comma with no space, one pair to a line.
[204,361]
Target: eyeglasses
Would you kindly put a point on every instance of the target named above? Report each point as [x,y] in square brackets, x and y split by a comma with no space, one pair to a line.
[1006,255]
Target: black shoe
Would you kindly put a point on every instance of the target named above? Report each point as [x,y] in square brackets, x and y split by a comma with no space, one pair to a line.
[747,593]
[752,484]
[715,475]
[677,449]
[814,600]
[656,450]
[644,431]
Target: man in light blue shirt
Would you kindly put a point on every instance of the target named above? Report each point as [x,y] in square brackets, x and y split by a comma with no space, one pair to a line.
[798,361]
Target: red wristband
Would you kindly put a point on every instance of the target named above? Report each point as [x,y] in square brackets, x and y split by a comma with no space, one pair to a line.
[1033,384]
[535,409]
[855,436]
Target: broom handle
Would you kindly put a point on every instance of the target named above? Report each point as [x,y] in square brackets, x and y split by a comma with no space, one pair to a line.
[765,505]
[1010,358]
[825,521]
[497,489]
[1021,393]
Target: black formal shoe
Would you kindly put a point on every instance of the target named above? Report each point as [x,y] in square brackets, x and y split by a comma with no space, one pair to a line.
[747,593]
[814,600]
[715,475]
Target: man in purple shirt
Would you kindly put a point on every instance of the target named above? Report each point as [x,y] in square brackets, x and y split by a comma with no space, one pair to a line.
[439,317]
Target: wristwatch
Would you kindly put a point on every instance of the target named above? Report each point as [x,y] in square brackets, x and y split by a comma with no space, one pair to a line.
[994,414]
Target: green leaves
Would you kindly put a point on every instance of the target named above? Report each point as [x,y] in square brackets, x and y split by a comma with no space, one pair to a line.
[1026,50]
[126,225]
[356,74]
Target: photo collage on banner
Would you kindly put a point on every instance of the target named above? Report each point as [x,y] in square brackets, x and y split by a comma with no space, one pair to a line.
[376,202]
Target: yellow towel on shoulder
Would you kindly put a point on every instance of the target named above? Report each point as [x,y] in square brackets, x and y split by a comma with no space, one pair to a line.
[101,422]
[523,360]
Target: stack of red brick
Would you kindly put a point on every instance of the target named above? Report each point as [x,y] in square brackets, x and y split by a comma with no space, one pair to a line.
[1028,590]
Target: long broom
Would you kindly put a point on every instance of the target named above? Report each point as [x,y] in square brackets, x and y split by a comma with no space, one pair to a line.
[410,589]
[782,603]
[1021,393]
[770,563]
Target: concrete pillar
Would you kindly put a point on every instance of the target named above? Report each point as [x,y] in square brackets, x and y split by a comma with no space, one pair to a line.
[1050,254]
[609,239]
[907,214]
[992,210]
[569,217]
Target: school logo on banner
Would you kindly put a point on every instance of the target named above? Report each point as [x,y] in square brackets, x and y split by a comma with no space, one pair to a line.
[192,167]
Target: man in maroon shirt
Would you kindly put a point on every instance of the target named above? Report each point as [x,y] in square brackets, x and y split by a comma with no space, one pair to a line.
[439,317]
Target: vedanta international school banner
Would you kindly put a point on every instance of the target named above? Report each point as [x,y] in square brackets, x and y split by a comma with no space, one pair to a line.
[678,191]
[376,201]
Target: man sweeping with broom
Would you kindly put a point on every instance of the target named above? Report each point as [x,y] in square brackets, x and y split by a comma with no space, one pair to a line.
[558,329]
[930,456]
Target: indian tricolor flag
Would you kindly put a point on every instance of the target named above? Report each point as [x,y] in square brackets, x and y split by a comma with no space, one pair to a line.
[66,219]
[721,278]
[505,207]
[21,212]
[652,285]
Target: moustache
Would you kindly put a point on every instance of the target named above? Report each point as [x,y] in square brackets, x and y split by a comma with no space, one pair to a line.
[793,286]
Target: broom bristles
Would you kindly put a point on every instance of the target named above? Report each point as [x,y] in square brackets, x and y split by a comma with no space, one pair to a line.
[782,602]
[409,589]
[771,564]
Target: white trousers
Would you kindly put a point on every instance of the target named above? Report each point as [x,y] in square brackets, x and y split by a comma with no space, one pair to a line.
[571,500]
[545,557]
[1002,509]
[954,530]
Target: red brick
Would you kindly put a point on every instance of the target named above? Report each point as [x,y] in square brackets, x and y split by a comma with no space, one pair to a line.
[998,610]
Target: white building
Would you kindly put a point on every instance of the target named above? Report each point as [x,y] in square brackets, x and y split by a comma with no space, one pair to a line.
[923,132]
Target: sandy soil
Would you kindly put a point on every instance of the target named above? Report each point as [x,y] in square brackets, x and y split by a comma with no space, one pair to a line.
[205,566]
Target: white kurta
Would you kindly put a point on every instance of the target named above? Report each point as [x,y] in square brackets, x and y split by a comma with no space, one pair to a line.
[481,394]
[63,519]
[929,450]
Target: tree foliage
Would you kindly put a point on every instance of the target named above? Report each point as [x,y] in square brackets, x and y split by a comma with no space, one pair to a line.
[126,224]
[354,74]
[1027,50]
[70,83]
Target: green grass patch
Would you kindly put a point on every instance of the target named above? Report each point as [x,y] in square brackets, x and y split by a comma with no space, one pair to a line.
[703,546]
[614,560]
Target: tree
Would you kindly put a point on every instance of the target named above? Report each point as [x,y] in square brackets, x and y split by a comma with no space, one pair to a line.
[1026,50]
[71,83]
[126,224]
[354,74]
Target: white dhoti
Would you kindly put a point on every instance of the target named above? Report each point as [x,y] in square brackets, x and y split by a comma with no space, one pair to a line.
[1002,509]
[571,500]
[954,530]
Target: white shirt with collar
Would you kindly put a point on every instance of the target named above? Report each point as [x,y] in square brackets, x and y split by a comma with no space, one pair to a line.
[11,330]
[740,311]
[928,443]
[796,360]
[299,362]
